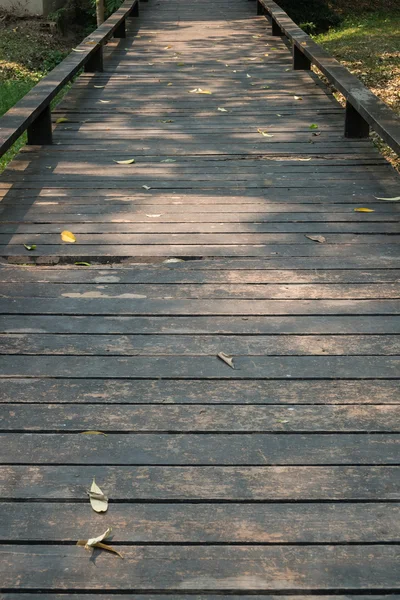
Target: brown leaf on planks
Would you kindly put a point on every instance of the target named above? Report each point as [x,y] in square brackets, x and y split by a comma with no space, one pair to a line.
[362,209]
[226,359]
[316,238]
[97,542]
[98,501]
[90,432]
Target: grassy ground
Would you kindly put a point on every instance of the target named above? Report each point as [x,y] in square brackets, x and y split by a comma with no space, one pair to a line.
[368,45]
[28,50]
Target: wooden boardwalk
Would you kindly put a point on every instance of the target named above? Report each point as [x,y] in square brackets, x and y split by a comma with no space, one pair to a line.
[277,477]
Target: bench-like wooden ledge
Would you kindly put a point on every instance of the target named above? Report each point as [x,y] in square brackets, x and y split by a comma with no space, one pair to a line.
[363,108]
[33,112]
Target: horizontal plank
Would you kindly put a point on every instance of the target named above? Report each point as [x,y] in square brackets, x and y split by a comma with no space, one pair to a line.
[182,307]
[200,449]
[176,419]
[201,484]
[95,596]
[103,391]
[194,568]
[197,325]
[150,345]
[206,523]
[162,276]
[332,291]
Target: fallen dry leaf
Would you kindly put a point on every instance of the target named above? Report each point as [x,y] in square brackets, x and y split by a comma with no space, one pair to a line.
[298,97]
[99,87]
[222,109]
[168,160]
[153,216]
[78,50]
[264,133]
[146,187]
[129,161]
[104,101]
[364,210]
[30,246]
[316,238]
[90,432]
[396,199]
[199,91]
[226,359]
[98,501]
[97,542]
[68,236]
[62,120]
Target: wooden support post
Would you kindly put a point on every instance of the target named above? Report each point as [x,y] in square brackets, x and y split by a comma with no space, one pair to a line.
[120,31]
[300,60]
[40,131]
[355,125]
[95,62]
[135,11]
[276,30]
[260,8]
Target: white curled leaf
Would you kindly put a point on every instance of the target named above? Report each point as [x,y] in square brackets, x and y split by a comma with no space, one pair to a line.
[98,501]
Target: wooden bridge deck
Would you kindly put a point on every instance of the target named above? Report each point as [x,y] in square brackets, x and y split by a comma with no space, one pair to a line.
[277,477]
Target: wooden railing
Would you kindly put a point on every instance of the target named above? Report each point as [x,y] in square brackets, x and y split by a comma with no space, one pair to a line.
[33,112]
[363,108]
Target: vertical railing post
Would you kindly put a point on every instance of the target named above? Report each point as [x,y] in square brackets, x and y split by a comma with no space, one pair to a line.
[355,125]
[300,60]
[95,62]
[40,131]
[276,30]
[120,31]
[135,10]
[260,8]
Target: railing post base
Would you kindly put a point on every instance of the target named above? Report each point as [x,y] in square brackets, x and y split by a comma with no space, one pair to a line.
[355,125]
[260,9]
[135,11]
[95,62]
[300,60]
[276,30]
[40,131]
[120,31]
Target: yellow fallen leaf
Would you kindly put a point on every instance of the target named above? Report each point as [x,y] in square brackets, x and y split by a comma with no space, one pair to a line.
[199,91]
[78,50]
[97,542]
[68,236]
[146,187]
[167,47]
[364,210]
[153,216]
[396,199]
[298,97]
[129,161]
[94,433]
[62,120]
[222,109]
[104,101]
[98,501]
[264,133]
[169,83]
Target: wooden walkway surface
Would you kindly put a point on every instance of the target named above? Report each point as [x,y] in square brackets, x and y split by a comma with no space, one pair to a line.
[277,477]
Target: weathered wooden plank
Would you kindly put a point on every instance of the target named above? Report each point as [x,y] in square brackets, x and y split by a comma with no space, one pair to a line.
[198,290]
[103,391]
[206,484]
[206,523]
[197,325]
[150,345]
[206,568]
[182,307]
[200,449]
[161,274]
[174,419]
